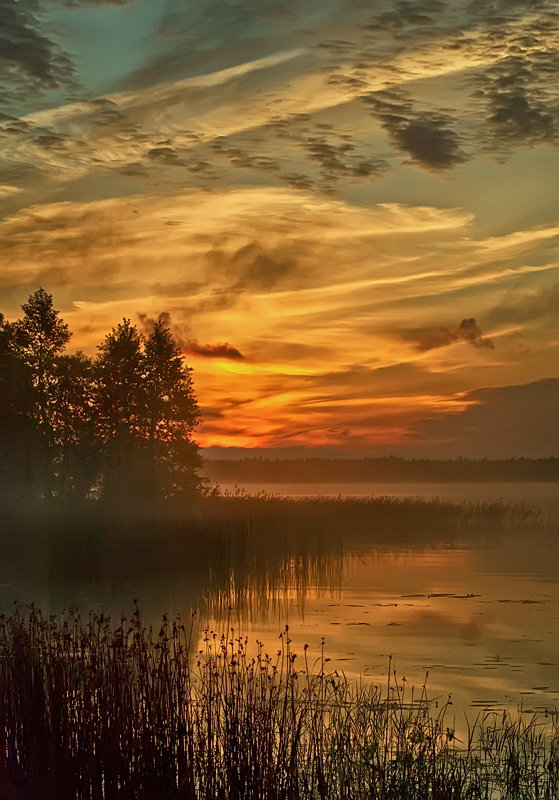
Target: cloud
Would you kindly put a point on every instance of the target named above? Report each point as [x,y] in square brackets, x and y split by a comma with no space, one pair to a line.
[468,331]
[253,266]
[527,305]
[189,346]
[86,3]
[341,160]
[450,91]
[427,137]
[220,350]
[29,59]
[518,109]
[6,190]
[516,88]
[497,422]
[254,272]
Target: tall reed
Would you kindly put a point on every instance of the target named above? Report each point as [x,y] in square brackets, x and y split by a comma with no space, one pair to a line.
[90,709]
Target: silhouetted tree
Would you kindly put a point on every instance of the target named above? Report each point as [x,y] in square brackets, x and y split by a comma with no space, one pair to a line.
[77,461]
[121,423]
[42,336]
[31,347]
[17,434]
[119,409]
[171,415]
[145,415]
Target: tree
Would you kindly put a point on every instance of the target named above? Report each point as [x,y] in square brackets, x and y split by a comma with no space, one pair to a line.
[31,347]
[17,432]
[119,410]
[43,335]
[77,453]
[145,415]
[68,423]
[171,415]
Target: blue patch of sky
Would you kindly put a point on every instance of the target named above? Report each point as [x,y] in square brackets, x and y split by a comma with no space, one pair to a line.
[109,41]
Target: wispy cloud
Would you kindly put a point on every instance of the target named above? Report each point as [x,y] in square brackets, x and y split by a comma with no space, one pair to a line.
[315,194]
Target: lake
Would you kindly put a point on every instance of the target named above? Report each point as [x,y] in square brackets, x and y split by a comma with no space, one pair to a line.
[480,615]
[475,607]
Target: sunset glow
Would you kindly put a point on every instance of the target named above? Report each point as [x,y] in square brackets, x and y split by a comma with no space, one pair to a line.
[348,211]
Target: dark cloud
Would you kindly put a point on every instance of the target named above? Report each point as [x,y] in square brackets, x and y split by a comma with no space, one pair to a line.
[515,97]
[299,181]
[242,156]
[220,350]
[165,155]
[409,15]
[337,153]
[440,337]
[252,266]
[468,331]
[340,160]
[427,136]
[430,141]
[104,113]
[134,169]
[518,110]
[519,87]
[187,345]
[504,10]
[39,135]
[30,60]
[243,152]
[500,422]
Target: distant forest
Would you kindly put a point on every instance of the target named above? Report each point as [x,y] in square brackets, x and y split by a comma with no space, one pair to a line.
[116,426]
[382,470]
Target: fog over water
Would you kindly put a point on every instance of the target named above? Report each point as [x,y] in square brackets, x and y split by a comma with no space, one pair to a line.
[476,606]
[478,612]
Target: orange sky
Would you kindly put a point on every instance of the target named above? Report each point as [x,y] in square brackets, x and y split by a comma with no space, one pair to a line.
[348,212]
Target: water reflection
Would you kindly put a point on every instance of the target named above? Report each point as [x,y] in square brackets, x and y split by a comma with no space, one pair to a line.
[251,565]
[473,601]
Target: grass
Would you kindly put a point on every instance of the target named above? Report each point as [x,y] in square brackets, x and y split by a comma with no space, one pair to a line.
[92,709]
[245,551]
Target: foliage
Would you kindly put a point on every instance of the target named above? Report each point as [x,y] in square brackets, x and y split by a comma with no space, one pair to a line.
[89,709]
[119,424]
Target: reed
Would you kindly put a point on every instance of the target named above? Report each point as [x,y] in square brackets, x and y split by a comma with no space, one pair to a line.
[250,552]
[93,709]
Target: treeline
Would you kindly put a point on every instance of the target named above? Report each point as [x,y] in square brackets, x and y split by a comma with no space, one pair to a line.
[389,469]
[116,426]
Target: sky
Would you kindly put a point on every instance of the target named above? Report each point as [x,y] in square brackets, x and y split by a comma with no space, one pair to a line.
[346,210]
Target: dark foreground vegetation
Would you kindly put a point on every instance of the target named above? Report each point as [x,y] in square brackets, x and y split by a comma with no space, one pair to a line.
[389,469]
[95,709]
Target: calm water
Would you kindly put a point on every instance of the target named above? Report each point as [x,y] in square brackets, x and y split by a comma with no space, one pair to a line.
[476,609]
[479,614]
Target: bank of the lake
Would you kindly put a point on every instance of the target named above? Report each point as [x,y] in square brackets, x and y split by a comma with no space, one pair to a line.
[93,709]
